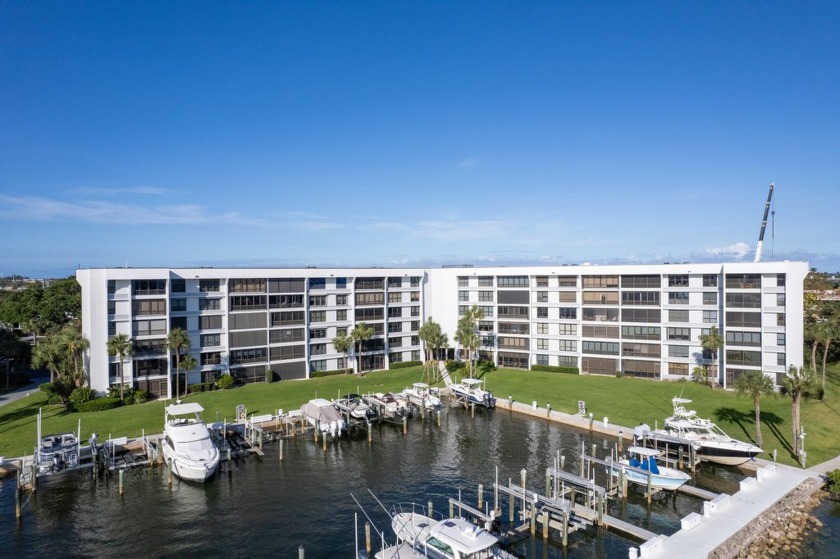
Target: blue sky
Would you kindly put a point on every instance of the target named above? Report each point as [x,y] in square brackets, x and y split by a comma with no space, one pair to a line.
[416,133]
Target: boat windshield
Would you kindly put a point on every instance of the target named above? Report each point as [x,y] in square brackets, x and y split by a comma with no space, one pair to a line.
[195,446]
[440,546]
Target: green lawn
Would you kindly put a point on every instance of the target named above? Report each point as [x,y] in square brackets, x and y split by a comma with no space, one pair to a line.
[625,401]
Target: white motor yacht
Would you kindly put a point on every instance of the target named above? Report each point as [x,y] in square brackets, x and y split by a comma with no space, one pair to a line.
[472,391]
[186,443]
[421,395]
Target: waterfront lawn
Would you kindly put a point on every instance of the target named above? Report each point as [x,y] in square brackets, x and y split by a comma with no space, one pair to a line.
[625,401]
[630,401]
[18,420]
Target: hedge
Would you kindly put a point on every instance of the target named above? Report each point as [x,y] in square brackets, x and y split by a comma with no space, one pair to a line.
[555,369]
[316,374]
[99,404]
[404,364]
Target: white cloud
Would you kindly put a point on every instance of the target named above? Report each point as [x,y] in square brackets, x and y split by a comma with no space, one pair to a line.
[736,250]
[118,190]
[469,163]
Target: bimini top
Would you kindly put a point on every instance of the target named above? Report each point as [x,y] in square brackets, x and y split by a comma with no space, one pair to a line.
[184,409]
[472,382]
[643,451]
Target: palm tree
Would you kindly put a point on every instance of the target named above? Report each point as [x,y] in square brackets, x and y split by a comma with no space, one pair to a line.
[441,341]
[76,345]
[121,346]
[343,343]
[797,383]
[428,333]
[827,331]
[49,354]
[755,384]
[359,334]
[178,340]
[712,342]
[467,336]
[188,363]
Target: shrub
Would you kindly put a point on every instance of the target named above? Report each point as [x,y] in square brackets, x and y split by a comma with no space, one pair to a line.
[225,381]
[99,404]
[195,388]
[832,484]
[485,367]
[269,376]
[404,364]
[55,399]
[619,374]
[81,395]
[46,387]
[139,396]
[555,369]
[453,365]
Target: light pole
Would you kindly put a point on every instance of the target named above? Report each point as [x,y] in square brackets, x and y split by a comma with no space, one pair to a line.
[802,453]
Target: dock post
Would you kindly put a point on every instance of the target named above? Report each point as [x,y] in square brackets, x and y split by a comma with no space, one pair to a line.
[623,481]
[367,537]
[281,450]
[18,490]
[431,509]
[680,454]
[591,419]
[423,411]
[472,411]
[545,524]
[620,442]
[480,496]
[572,497]
[649,492]
[317,428]
[451,509]
[122,482]
[565,529]
[438,418]
[301,552]
[563,462]
[370,431]
[548,482]
[324,441]
[523,474]
[405,425]
[496,492]
[600,509]
[512,505]
[533,521]
[169,469]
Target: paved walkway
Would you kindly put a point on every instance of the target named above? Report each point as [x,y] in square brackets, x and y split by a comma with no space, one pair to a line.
[23,391]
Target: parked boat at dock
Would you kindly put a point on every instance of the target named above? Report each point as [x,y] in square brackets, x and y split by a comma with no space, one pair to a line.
[471,391]
[355,407]
[58,453]
[186,443]
[321,414]
[420,395]
[641,468]
[443,538]
[388,405]
[714,445]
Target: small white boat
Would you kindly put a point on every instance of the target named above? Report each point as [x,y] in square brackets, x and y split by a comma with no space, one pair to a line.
[186,443]
[58,453]
[389,405]
[322,415]
[421,395]
[641,467]
[714,445]
[355,407]
[471,390]
[443,538]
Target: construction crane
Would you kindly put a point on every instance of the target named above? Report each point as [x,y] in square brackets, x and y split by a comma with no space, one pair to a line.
[763,225]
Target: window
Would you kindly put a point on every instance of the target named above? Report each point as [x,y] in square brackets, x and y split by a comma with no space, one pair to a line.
[487,310]
[568,345]
[641,281]
[463,281]
[542,359]
[567,313]
[112,307]
[149,327]
[752,339]
[317,283]
[285,301]
[780,299]
[602,348]
[678,298]
[743,319]
[641,332]
[485,326]
[365,314]
[317,316]
[247,302]
[485,281]
[744,300]
[600,331]
[677,316]
[212,358]
[112,287]
[680,369]
[640,298]
[210,322]
[287,318]
[373,298]
[599,366]
[341,331]
[395,297]
[149,307]
[513,312]
[678,351]
[633,349]
[415,311]
[317,300]
[485,296]
[513,343]
[317,333]
[245,321]
[211,340]
[463,296]
[414,281]
[743,281]
[513,281]
[395,312]
[542,312]
[178,286]
[780,339]
[710,298]
[641,315]
[567,329]
[253,355]
[341,315]
[743,357]
[247,285]
[521,328]
[340,300]
[150,347]
[542,328]
[542,344]
[710,280]
[208,285]
[679,334]
[641,369]
[394,282]
[780,319]
[178,322]
[780,280]
[415,297]
[542,296]
[780,359]
[567,361]
[600,297]
[209,304]
[318,365]
[595,282]
[710,317]
[415,325]
[542,281]
[285,336]
[567,297]
[567,281]
[318,349]
[148,287]
[341,283]
[678,280]
[112,328]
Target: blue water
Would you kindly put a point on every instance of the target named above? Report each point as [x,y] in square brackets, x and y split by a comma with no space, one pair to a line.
[263,506]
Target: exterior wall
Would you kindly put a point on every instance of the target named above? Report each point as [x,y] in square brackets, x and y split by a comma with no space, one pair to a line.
[639,320]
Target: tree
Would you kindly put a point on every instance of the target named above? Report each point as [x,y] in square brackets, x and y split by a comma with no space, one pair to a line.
[826,331]
[429,332]
[467,333]
[343,343]
[188,363]
[49,354]
[121,346]
[755,384]
[178,341]
[712,342]
[12,350]
[359,335]
[76,345]
[796,384]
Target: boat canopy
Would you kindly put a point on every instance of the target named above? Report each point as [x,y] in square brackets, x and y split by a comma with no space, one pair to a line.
[472,382]
[642,451]
[184,409]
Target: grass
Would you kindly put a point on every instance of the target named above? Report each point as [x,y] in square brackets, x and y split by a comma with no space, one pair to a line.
[625,401]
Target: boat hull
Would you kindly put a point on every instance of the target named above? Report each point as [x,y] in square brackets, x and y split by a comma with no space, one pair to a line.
[668,478]
[726,456]
[190,470]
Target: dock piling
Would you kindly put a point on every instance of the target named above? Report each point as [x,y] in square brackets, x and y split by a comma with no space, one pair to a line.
[122,482]
[480,496]
[545,524]
[367,537]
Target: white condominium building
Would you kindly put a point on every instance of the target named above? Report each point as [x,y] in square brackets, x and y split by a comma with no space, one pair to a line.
[640,320]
